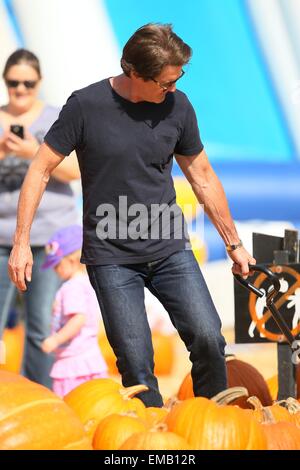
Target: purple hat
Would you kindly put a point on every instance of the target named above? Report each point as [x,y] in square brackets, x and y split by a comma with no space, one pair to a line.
[62,243]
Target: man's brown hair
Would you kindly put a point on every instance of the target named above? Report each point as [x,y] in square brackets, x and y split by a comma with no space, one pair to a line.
[152,47]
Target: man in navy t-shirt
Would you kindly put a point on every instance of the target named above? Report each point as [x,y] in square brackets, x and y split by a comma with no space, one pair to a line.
[125,131]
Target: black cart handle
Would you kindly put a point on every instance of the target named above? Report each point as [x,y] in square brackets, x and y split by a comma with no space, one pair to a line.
[282,325]
[256,267]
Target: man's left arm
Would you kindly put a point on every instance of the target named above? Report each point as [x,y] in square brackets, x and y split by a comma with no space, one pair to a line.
[210,193]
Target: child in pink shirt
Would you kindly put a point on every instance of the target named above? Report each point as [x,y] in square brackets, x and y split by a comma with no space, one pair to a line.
[76,316]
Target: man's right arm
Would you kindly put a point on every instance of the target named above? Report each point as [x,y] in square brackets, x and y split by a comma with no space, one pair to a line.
[37,177]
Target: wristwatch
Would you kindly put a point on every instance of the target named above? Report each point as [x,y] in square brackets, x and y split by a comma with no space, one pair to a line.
[230,248]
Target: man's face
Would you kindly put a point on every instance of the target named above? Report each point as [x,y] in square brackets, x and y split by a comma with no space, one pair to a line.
[155,90]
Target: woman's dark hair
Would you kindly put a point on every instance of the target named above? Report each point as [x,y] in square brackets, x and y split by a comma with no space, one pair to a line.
[152,47]
[22,56]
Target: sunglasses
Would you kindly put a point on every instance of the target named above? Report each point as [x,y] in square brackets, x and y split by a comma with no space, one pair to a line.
[167,85]
[27,83]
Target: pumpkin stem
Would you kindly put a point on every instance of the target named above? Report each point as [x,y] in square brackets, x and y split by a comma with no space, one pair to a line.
[291,404]
[171,402]
[159,427]
[129,392]
[255,402]
[229,395]
[268,417]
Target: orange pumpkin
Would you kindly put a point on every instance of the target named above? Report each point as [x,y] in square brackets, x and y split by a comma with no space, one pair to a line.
[186,388]
[274,412]
[239,374]
[155,440]
[272,383]
[94,400]
[164,353]
[14,339]
[155,415]
[108,354]
[293,407]
[282,436]
[32,417]
[208,426]
[115,429]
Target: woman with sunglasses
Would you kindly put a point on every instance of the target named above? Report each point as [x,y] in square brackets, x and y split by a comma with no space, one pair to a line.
[30,118]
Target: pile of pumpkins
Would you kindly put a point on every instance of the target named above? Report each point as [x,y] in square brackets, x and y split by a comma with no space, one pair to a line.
[101,414]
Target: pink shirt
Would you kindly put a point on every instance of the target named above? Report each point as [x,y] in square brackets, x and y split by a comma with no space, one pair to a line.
[80,355]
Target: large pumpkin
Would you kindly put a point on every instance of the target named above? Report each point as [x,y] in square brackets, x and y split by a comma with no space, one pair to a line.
[155,415]
[239,374]
[115,429]
[13,339]
[108,353]
[275,412]
[33,418]
[155,440]
[272,383]
[208,426]
[282,436]
[92,401]
[164,353]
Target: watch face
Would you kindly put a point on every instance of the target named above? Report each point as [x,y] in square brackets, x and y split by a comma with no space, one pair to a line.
[234,247]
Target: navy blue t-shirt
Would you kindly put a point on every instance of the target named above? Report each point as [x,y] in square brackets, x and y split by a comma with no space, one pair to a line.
[125,152]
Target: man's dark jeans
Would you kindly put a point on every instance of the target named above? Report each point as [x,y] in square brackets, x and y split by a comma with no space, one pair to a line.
[179,285]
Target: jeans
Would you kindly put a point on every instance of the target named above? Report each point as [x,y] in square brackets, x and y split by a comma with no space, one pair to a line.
[178,284]
[38,300]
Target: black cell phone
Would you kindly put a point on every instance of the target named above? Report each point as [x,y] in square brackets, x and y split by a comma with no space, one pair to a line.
[17,130]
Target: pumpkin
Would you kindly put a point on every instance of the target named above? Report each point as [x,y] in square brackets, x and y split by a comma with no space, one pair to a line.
[282,436]
[13,339]
[186,388]
[272,383]
[94,400]
[276,412]
[34,418]
[157,438]
[164,353]
[108,354]
[293,407]
[208,426]
[115,429]
[155,415]
[239,374]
